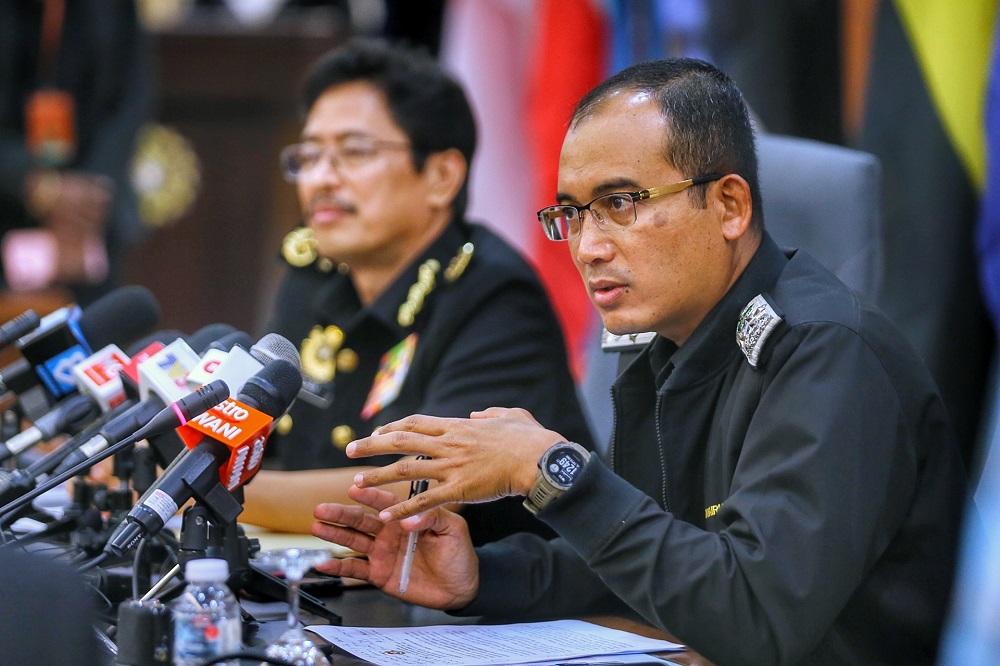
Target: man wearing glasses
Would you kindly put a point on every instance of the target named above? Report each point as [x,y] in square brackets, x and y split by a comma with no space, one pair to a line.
[782,485]
[399,304]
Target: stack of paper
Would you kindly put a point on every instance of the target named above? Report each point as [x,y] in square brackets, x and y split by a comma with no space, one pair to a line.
[534,643]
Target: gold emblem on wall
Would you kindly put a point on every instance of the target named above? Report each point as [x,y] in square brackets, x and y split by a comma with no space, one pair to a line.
[165,173]
[319,353]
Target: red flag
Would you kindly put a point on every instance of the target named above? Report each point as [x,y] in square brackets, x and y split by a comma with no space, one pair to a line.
[569,60]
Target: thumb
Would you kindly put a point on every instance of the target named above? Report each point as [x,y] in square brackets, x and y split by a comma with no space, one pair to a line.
[438,521]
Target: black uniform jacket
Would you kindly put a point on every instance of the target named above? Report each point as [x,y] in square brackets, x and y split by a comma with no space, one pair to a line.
[485,338]
[803,511]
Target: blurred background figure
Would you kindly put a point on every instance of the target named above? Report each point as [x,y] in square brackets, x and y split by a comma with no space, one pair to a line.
[75,87]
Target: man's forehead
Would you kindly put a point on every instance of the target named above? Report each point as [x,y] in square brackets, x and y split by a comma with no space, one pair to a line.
[609,147]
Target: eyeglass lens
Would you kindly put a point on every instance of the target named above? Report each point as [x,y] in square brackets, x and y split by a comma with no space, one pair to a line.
[564,222]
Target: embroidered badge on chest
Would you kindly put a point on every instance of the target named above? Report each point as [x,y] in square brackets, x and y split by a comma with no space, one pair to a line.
[389,379]
[757,321]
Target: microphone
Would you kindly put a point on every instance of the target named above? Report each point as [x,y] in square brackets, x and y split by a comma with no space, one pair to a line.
[74,410]
[173,415]
[160,380]
[225,449]
[215,357]
[67,337]
[237,365]
[208,336]
[18,327]
[16,482]
[99,376]
[98,381]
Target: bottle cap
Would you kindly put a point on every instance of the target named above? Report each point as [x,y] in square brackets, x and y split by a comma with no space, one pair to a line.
[206,570]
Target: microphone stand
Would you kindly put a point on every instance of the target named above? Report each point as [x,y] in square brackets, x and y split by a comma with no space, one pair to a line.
[209,530]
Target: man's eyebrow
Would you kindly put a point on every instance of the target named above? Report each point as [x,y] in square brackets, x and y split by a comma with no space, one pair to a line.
[607,187]
[318,138]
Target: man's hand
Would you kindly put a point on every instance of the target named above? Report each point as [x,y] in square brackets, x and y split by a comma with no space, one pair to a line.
[70,202]
[494,454]
[445,572]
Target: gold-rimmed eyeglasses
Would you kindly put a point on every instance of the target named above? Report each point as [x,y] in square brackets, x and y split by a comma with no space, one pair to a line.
[346,153]
[615,210]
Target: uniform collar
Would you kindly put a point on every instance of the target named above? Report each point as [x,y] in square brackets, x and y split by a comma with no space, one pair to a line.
[385,309]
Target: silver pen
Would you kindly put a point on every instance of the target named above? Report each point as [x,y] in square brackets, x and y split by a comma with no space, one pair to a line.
[416,487]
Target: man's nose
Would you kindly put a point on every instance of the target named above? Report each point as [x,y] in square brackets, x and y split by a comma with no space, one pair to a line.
[593,243]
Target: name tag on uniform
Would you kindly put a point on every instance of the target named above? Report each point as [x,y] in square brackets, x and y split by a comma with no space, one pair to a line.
[389,379]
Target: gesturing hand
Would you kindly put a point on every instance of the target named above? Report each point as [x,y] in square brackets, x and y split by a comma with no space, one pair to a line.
[494,454]
[445,572]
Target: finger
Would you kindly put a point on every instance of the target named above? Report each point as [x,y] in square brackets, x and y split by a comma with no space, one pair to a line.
[343,536]
[396,442]
[417,423]
[438,521]
[490,413]
[350,567]
[354,517]
[376,498]
[407,469]
[425,501]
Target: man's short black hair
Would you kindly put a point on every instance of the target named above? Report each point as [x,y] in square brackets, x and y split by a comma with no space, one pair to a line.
[708,125]
[426,103]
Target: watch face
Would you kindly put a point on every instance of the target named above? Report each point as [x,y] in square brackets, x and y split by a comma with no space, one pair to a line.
[564,465]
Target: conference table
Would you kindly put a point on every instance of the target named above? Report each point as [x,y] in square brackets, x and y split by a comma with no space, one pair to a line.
[365,606]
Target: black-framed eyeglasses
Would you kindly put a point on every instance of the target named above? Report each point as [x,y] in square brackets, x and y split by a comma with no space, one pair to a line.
[615,210]
[348,152]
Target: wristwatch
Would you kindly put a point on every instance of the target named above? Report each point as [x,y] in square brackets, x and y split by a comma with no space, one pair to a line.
[558,468]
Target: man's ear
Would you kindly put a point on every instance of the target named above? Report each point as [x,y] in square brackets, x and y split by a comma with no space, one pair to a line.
[732,194]
[444,172]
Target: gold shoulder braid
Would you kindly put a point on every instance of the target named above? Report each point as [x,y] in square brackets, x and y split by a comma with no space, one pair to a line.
[459,262]
[426,279]
[319,353]
[299,247]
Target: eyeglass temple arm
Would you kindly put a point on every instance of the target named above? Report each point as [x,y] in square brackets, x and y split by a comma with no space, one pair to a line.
[677,187]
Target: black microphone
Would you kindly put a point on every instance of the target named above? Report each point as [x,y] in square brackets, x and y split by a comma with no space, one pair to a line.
[14,483]
[225,451]
[71,413]
[18,327]
[175,414]
[119,318]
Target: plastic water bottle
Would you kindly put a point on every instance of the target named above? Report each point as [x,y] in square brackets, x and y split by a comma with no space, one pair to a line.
[207,619]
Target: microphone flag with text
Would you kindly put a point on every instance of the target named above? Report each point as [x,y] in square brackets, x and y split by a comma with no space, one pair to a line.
[225,447]
[67,336]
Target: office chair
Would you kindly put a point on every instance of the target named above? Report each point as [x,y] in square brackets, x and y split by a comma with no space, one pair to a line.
[816,196]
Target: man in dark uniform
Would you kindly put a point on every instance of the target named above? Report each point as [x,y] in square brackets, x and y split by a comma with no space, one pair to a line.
[782,484]
[400,305]
[75,88]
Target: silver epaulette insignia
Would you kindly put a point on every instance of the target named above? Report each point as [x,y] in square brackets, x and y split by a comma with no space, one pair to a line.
[757,321]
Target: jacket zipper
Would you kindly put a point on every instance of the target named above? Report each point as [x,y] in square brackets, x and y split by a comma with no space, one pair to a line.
[613,452]
[659,446]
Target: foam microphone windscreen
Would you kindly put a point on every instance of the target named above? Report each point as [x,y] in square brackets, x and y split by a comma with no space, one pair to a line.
[206,335]
[273,389]
[121,317]
[236,338]
[164,337]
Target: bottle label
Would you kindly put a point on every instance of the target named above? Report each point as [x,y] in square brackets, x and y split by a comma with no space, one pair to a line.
[203,635]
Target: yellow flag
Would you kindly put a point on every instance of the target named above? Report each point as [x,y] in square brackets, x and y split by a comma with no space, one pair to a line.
[952,41]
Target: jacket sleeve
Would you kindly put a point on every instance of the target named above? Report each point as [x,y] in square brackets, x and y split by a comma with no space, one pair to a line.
[823,479]
[525,577]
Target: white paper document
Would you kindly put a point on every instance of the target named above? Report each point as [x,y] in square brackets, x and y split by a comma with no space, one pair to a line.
[488,645]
